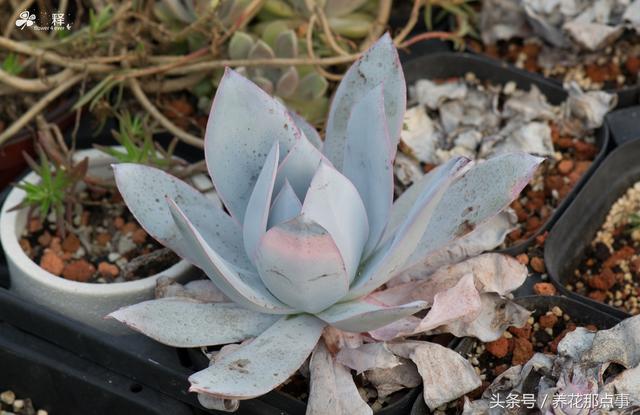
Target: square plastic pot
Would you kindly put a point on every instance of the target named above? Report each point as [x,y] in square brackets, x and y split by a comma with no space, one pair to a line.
[624,124]
[574,232]
[443,65]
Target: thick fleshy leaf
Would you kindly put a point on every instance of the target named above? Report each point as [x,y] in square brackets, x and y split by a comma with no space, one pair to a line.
[332,389]
[285,206]
[334,203]
[496,315]
[257,214]
[243,124]
[368,356]
[244,288]
[260,366]
[301,265]
[368,162]
[388,259]
[307,129]
[446,375]
[181,322]
[361,315]
[379,65]
[299,167]
[476,197]
[144,190]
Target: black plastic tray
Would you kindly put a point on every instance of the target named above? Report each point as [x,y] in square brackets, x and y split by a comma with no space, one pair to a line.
[62,383]
[580,314]
[624,124]
[442,65]
[577,227]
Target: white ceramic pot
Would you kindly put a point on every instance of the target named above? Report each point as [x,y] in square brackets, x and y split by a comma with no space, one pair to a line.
[86,302]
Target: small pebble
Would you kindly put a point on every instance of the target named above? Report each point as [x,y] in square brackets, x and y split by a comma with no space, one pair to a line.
[8,397]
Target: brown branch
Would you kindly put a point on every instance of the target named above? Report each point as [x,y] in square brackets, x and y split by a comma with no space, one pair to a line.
[411,23]
[35,85]
[379,25]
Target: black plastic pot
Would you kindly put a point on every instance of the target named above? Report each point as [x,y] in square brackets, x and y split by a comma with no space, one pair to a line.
[581,314]
[62,383]
[443,65]
[572,234]
[624,124]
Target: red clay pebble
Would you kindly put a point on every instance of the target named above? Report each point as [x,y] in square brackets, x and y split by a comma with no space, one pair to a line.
[537,264]
[500,369]
[548,321]
[129,227]
[35,225]
[118,222]
[544,288]
[51,262]
[524,331]
[139,236]
[632,65]
[523,259]
[71,243]
[599,296]
[78,271]
[44,239]
[604,281]
[522,352]
[26,246]
[553,346]
[103,239]
[499,348]
[622,254]
[565,167]
[108,270]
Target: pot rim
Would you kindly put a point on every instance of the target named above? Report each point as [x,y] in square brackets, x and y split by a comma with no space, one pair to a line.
[15,253]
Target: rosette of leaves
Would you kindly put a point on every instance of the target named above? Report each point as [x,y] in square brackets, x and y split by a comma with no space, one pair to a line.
[301,88]
[313,239]
[352,19]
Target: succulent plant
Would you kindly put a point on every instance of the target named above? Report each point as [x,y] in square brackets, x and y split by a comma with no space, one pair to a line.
[312,237]
[302,89]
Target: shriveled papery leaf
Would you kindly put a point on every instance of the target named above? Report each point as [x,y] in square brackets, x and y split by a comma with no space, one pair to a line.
[204,291]
[419,136]
[459,302]
[530,137]
[590,107]
[390,380]
[257,214]
[252,370]
[530,105]
[218,404]
[368,356]
[485,237]
[301,265]
[480,194]
[286,206]
[445,374]
[542,27]
[361,315]
[620,344]
[299,167]
[379,65]
[332,389]
[334,203]
[496,316]
[337,340]
[368,162]
[628,383]
[244,288]
[632,15]
[433,95]
[144,189]
[392,254]
[502,20]
[575,343]
[592,36]
[307,129]
[243,124]
[182,322]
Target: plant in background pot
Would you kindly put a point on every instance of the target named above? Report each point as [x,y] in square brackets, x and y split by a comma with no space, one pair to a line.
[69,240]
[314,258]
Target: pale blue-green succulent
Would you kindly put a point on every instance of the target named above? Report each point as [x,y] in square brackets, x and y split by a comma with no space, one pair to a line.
[312,232]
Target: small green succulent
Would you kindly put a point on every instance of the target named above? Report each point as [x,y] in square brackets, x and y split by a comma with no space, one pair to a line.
[301,88]
[11,65]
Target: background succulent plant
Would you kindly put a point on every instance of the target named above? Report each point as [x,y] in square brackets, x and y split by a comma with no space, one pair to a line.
[313,240]
[302,88]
